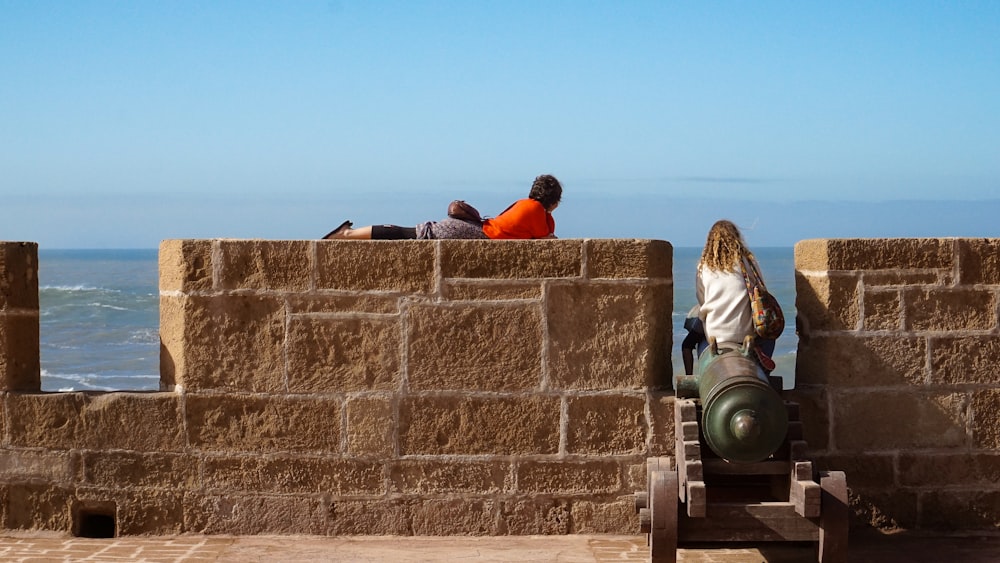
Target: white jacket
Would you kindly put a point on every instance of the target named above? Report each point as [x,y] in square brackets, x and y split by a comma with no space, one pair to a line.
[725,306]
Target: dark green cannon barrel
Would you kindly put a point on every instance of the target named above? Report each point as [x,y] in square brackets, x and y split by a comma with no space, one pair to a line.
[743,419]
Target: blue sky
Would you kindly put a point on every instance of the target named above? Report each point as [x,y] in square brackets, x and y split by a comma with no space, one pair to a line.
[125,123]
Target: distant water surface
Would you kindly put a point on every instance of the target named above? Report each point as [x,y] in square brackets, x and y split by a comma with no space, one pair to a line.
[99,317]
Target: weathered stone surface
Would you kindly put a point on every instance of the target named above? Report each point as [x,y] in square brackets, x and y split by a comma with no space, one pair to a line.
[874,254]
[891,420]
[233,343]
[876,361]
[609,336]
[511,259]
[875,279]
[950,309]
[439,425]
[607,425]
[376,265]
[36,506]
[20,368]
[616,516]
[961,469]
[186,266]
[65,421]
[116,469]
[33,465]
[265,264]
[456,347]
[423,477]
[960,510]
[883,508]
[535,515]
[172,327]
[827,302]
[252,514]
[476,290]
[979,261]
[336,303]
[882,311]
[661,411]
[256,423]
[371,427]
[18,276]
[813,413]
[447,517]
[565,477]
[628,258]
[973,359]
[983,410]
[294,475]
[369,518]
[866,471]
[137,512]
[343,354]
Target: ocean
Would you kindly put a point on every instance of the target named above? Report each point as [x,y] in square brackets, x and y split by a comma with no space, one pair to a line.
[99,315]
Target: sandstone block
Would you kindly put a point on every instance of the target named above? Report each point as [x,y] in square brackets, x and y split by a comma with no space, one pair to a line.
[458,516]
[827,302]
[371,427]
[813,413]
[882,278]
[459,347]
[534,516]
[67,421]
[254,423]
[612,516]
[231,342]
[145,512]
[252,514]
[661,410]
[979,261]
[376,265]
[464,290]
[875,421]
[965,360]
[20,368]
[336,303]
[609,336]
[883,311]
[265,264]
[436,477]
[864,471]
[511,259]
[960,510]
[343,354]
[875,361]
[17,466]
[950,309]
[36,506]
[570,477]
[629,258]
[962,469]
[18,276]
[186,266]
[874,254]
[440,425]
[983,409]
[607,425]
[369,518]
[883,509]
[172,326]
[293,475]
[126,470]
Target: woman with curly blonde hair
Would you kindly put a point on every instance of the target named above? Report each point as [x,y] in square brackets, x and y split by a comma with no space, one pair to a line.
[722,292]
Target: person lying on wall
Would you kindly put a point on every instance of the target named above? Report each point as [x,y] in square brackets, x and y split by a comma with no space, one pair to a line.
[528,218]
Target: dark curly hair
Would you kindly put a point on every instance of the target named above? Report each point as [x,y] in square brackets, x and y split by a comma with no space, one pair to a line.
[546,190]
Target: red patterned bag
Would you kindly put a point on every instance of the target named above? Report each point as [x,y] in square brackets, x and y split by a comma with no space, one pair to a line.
[768,320]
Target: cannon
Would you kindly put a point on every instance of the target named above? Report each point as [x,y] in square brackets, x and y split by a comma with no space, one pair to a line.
[739,473]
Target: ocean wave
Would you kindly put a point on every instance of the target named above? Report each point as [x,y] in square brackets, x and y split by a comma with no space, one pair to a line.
[76,288]
[106,306]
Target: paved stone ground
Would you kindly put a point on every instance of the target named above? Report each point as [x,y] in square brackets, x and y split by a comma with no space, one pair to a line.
[871,548]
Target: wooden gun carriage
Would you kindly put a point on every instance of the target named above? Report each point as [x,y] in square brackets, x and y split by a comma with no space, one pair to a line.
[739,473]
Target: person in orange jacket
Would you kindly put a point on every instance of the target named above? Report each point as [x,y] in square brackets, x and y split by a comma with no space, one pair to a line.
[530,217]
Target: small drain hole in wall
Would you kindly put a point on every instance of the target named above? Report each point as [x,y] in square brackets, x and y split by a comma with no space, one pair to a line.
[95,523]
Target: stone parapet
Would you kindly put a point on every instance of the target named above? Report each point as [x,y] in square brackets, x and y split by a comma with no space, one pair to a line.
[898,353]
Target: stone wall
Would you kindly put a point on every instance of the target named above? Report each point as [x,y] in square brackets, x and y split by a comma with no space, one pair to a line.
[363,387]
[899,375]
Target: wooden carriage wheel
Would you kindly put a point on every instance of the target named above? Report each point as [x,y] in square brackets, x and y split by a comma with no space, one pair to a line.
[663,516]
